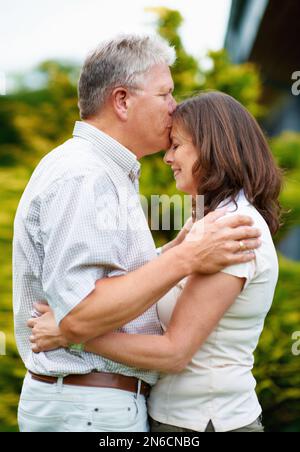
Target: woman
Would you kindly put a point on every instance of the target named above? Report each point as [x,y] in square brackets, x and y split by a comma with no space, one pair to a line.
[212,323]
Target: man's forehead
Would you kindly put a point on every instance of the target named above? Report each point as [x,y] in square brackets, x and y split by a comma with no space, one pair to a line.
[164,84]
[161,77]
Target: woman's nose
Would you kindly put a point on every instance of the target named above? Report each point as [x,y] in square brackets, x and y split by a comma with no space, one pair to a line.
[168,158]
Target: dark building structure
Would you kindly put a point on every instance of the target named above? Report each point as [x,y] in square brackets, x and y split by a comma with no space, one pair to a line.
[267,32]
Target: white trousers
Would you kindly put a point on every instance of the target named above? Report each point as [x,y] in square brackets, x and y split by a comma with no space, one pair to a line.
[57,407]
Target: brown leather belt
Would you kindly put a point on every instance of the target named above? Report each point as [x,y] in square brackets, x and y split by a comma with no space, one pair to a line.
[98,380]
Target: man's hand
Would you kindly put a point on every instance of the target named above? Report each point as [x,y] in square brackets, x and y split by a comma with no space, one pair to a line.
[217,241]
[46,335]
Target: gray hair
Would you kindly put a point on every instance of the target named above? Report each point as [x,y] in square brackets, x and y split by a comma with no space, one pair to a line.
[122,61]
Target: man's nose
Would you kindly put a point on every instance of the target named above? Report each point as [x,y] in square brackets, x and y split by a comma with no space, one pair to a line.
[173,105]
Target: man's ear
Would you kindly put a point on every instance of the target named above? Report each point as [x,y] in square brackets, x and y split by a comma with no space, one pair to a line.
[121,101]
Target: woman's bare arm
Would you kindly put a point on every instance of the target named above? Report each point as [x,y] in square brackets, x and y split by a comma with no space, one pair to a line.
[202,304]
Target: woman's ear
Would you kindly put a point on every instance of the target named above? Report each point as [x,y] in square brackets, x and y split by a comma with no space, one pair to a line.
[120,102]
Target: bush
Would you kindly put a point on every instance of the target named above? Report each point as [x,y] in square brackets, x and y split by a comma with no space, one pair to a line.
[276,368]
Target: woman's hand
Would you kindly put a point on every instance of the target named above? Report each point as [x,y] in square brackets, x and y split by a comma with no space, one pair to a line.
[46,335]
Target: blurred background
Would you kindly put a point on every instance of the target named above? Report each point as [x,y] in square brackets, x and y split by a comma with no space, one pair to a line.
[246,48]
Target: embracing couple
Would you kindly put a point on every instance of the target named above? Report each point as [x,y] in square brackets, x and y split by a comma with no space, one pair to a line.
[131,336]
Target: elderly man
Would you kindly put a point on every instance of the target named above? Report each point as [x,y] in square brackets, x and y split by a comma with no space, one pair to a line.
[71,247]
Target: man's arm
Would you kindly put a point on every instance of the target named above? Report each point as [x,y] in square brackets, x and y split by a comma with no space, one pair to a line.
[118,300]
[200,307]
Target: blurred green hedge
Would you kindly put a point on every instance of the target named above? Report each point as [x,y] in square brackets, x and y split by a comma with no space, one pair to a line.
[276,368]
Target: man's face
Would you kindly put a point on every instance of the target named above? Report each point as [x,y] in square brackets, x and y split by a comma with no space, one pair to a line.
[151,113]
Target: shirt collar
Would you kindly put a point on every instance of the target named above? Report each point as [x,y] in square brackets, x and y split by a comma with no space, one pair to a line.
[240,199]
[107,145]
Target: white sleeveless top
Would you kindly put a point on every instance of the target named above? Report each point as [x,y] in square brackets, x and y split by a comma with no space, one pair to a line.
[218,384]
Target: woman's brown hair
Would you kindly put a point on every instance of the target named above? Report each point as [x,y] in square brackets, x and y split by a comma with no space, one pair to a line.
[233,154]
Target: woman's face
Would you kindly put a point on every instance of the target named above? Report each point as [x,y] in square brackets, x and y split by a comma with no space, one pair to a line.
[181,157]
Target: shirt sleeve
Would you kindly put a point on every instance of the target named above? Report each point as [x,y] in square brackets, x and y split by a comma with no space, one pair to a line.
[82,240]
[246,270]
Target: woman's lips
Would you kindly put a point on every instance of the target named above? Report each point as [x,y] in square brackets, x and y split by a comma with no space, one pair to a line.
[176,172]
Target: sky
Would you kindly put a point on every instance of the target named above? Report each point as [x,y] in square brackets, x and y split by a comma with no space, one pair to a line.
[35,30]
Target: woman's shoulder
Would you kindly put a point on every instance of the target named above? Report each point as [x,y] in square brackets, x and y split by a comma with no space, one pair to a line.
[241,206]
[266,256]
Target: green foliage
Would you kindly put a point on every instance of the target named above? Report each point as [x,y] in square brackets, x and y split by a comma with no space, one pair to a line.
[34,121]
[286,149]
[186,69]
[12,184]
[276,368]
[242,81]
